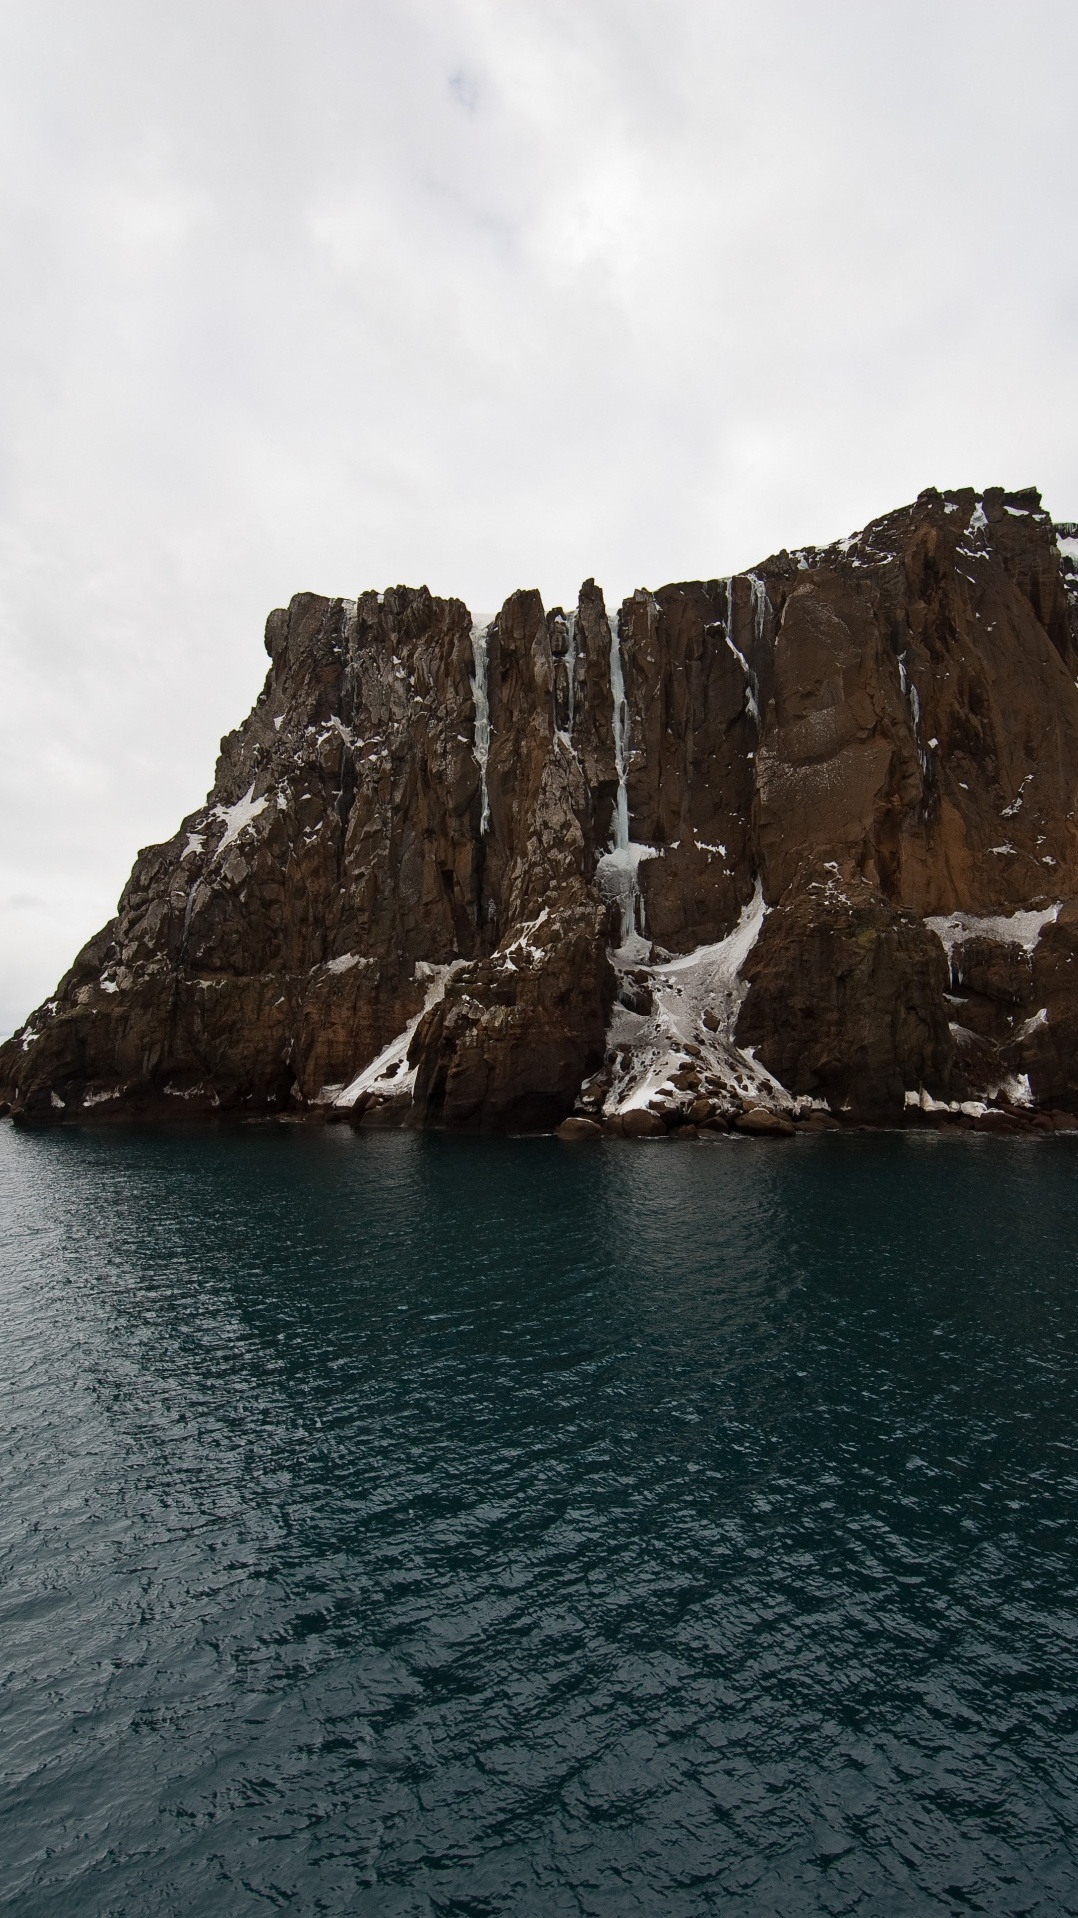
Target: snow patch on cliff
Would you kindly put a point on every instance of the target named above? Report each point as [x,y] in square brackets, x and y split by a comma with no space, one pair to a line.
[345,961]
[200,1091]
[1013,1087]
[389,1074]
[238,817]
[523,944]
[1016,803]
[978,520]
[1016,929]
[689,1031]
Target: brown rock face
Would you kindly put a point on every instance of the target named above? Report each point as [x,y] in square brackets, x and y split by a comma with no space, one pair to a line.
[1043,1036]
[845,998]
[513,1036]
[691,736]
[826,812]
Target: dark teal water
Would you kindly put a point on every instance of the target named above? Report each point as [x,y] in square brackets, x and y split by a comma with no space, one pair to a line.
[403,1525]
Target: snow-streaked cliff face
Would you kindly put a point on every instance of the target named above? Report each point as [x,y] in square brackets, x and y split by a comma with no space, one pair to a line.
[736,817]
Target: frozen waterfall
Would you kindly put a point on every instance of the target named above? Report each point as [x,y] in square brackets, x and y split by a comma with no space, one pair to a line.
[616,871]
[481,696]
[752,701]
[621,738]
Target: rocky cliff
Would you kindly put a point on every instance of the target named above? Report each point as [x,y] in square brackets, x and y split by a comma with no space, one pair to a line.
[803,841]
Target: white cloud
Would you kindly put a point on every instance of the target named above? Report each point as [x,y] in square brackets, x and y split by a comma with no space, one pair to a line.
[332,295]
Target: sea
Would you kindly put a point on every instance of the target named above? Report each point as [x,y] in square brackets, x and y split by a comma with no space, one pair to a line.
[404,1525]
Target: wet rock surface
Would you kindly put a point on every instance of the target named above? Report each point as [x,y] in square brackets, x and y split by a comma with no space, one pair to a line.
[800,842]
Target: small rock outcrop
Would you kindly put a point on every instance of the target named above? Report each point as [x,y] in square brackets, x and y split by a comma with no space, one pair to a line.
[801,842]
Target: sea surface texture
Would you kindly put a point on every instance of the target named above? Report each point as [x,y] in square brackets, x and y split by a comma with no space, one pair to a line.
[412,1525]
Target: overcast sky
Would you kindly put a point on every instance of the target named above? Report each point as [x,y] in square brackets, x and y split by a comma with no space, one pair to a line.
[486,294]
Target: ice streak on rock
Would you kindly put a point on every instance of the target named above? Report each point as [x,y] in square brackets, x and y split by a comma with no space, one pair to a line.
[481,696]
[752,691]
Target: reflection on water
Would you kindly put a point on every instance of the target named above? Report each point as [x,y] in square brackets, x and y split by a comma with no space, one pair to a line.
[416,1525]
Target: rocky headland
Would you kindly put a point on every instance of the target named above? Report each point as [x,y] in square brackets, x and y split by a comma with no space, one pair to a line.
[789,849]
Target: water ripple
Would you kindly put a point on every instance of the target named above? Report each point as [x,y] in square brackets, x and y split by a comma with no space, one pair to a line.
[409,1525]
